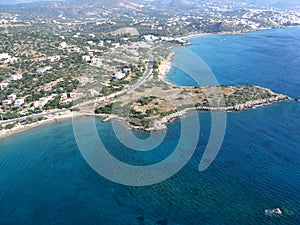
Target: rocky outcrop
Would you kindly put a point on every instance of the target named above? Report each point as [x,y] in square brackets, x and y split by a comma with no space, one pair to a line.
[246,105]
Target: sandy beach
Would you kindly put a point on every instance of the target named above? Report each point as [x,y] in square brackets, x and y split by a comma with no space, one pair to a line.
[165,67]
[195,35]
[20,128]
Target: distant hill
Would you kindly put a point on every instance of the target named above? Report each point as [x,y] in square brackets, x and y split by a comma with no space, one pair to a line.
[282,4]
[14,2]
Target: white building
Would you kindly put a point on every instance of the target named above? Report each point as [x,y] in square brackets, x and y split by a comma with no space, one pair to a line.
[44,69]
[101,43]
[150,37]
[91,43]
[5,56]
[63,45]
[55,58]
[126,69]
[3,86]
[11,60]
[86,58]
[63,97]
[19,102]
[43,101]
[15,77]
[119,75]
[36,104]
[96,62]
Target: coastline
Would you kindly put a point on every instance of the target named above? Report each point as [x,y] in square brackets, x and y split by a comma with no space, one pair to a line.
[189,36]
[160,124]
[165,67]
[21,128]
[195,35]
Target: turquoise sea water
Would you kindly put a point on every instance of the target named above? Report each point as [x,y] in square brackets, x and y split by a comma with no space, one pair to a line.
[45,180]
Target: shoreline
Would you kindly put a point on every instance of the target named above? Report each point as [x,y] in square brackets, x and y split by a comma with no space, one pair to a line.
[195,35]
[160,124]
[165,67]
[189,36]
[21,128]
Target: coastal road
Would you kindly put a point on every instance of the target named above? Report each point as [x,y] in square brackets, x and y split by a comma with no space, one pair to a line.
[129,90]
[145,76]
[34,116]
[143,79]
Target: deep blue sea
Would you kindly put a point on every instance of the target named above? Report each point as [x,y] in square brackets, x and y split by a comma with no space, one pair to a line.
[45,180]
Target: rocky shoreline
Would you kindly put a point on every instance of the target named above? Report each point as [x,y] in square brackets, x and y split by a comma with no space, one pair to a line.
[247,105]
[161,124]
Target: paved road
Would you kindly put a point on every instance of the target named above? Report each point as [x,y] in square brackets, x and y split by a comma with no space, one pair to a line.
[143,79]
[145,76]
[127,91]
[34,116]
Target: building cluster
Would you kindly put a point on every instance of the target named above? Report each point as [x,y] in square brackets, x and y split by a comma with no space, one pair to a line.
[42,102]
[6,58]
[65,99]
[13,100]
[5,83]
[119,75]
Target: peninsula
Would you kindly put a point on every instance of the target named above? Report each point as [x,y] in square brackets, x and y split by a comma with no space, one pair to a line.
[158,102]
[110,61]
